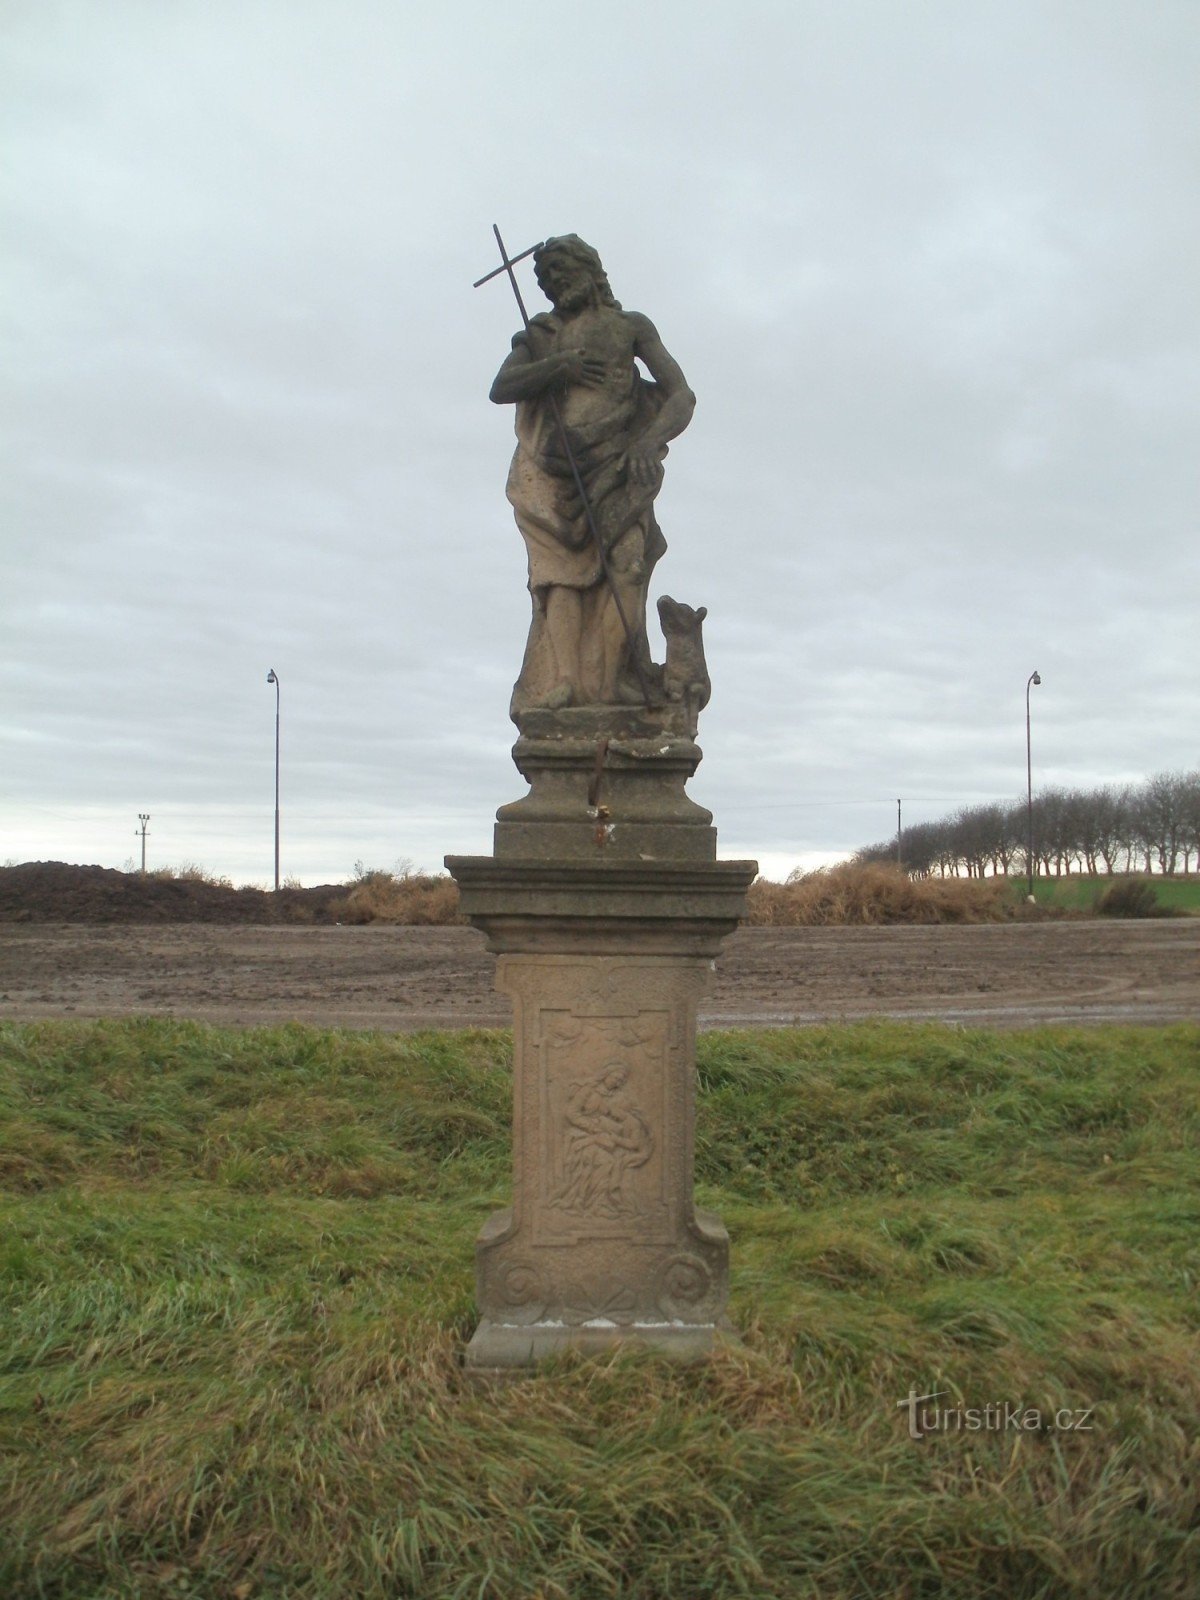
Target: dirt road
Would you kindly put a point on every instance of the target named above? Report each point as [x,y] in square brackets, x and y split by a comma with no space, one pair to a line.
[393,979]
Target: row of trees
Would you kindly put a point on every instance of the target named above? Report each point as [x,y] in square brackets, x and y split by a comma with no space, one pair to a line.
[1149,827]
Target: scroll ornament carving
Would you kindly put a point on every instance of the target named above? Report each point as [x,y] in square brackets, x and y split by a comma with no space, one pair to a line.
[685,1284]
[521,1292]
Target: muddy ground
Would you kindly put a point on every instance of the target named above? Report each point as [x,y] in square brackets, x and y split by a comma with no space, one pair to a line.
[397,978]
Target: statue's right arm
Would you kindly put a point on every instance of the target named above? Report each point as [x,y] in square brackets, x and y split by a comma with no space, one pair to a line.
[522,378]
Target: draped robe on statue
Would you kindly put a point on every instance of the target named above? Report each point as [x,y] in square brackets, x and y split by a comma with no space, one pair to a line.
[561,549]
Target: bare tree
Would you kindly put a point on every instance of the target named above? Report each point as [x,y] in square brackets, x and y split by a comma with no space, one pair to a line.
[1051,841]
[1154,827]
[1162,811]
[968,841]
[1189,835]
[921,848]
[1109,810]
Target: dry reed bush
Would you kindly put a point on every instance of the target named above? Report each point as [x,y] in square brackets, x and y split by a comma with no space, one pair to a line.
[873,894]
[191,872]
[414,898]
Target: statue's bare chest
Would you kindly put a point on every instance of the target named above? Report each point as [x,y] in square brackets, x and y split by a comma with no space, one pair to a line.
[603,334]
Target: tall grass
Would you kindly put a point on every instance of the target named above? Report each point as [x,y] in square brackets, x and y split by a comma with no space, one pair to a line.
[852,893]
[858,893]
[236,1278]
[189,872]
[416,898]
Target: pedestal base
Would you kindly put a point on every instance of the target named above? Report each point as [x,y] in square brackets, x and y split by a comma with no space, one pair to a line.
[502,1348]
[603,1245]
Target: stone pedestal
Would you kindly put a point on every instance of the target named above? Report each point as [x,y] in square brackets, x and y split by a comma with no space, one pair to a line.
[605,905]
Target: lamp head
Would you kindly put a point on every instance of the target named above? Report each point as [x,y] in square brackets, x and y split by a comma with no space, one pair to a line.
[1037,678]
[271,678]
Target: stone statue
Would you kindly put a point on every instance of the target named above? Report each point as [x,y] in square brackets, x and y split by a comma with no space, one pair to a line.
[603,899]
[574,371]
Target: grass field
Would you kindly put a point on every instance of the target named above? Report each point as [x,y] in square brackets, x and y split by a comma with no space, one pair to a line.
[236,1270]
[1079,892]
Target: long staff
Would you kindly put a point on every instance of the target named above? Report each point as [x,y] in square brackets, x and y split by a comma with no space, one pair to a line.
[507,264]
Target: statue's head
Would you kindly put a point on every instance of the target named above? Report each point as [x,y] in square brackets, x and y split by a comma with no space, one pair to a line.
[614,1076]
[570,274]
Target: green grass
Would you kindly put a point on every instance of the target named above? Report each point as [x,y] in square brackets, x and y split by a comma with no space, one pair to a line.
[236,1271]
[1080,891]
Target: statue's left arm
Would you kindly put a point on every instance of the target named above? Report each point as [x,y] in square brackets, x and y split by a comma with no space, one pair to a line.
[678,402]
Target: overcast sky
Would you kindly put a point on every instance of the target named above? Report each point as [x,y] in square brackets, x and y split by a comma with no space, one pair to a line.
[929,267]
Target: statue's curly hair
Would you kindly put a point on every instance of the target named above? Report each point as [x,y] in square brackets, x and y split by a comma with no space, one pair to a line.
[576,249]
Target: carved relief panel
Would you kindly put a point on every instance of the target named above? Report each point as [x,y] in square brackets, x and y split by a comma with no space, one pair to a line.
[605,1126]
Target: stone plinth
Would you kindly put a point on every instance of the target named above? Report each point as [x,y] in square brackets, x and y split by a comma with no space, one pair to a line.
[606,784]
[605,906]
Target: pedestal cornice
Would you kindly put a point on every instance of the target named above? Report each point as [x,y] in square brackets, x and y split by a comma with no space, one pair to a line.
[604,907]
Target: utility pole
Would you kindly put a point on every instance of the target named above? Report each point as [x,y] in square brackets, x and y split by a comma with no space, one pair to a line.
[1034,677]
[143,818]
[899,838]
[273,677]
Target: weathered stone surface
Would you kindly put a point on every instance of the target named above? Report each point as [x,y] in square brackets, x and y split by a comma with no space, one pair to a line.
[606,784]
[592,435]
[604,900]
[603,1244]
[606,908]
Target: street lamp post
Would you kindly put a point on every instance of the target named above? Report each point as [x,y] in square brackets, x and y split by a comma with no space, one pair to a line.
[273,677]
[1034,677]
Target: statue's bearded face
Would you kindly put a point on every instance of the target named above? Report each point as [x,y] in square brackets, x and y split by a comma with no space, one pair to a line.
[566,281]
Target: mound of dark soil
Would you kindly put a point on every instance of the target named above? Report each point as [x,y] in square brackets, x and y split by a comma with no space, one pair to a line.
[54,891]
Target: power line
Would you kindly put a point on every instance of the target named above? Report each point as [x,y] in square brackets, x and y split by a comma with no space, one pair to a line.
[888,800]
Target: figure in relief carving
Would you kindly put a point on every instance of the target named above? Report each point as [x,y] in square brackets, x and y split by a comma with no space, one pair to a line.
[587,639]
[606,1139]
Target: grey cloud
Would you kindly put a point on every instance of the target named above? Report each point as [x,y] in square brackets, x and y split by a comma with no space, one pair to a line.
[929,274]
